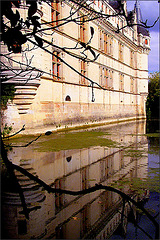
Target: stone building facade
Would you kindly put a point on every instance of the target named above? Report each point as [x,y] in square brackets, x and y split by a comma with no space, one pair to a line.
[60,96]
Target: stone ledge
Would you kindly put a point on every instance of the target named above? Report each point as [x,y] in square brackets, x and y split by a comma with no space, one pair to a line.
[69,127]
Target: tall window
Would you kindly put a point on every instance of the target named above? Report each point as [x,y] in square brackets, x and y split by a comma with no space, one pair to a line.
[106,77]
[121,24]
[131,58]
[121,84]
[110,45]
[121,159]
[146,41]
[120,46]
[98,3]
[101,40]
[82,29]
[132,86]
[103,77]
[102,7]
[106,10]
[59,197]
[82,38]
[60,232]
[85,223]
[110,79]
[84,72]
[56,66]
[84,174]
[104,199]
[105,43]
[22,227]
[55,12]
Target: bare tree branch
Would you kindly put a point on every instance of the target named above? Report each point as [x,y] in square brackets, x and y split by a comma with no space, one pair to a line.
[10,169]
[86,191]
[22,129]
[26,145]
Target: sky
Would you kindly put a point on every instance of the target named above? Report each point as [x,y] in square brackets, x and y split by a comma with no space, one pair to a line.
[150,11]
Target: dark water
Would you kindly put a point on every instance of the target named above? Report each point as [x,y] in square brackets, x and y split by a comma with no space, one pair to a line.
[145,229]
[123,157]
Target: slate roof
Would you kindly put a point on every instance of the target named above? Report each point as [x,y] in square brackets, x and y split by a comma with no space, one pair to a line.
[143,31]
[114,4]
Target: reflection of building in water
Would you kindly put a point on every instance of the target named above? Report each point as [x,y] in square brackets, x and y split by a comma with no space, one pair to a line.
[95,214]
[14,222]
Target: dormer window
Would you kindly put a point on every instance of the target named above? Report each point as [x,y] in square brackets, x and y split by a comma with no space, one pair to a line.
[146,41]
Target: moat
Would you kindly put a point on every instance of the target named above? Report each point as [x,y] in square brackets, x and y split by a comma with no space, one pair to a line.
[122,156]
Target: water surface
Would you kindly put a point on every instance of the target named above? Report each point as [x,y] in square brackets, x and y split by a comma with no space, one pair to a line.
[116,155]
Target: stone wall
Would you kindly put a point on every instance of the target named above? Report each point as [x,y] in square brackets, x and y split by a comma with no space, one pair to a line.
[45,109]
[67,99]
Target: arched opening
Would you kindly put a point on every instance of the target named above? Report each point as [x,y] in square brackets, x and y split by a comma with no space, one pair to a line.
[69,159]
[68,98]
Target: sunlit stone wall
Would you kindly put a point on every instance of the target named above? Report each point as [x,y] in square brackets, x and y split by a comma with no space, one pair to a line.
[46,103]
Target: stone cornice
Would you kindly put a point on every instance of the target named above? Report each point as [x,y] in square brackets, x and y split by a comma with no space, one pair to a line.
[26,84]
[82,85]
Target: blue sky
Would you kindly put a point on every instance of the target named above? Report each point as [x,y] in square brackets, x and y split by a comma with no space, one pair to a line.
[150,11]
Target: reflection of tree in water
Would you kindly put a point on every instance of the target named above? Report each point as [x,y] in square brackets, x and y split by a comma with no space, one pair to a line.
[12,205]
[153,136]
[152,126]
[25,172]
[32,191]
[26,183]
[154,144]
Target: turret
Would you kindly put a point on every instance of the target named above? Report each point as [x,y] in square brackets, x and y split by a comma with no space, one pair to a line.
[143,33]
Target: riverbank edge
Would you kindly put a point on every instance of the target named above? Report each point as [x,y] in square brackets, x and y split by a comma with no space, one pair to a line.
[70,127]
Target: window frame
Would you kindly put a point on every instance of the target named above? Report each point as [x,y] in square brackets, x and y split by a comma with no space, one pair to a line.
[56,65]
[55,12]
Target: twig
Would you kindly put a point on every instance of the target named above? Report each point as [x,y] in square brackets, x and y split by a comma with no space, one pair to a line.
[22,129]
[86,191]
[10,168]
[26,145]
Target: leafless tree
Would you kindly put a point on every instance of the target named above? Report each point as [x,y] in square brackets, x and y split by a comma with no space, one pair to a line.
[17,31]
[125,198]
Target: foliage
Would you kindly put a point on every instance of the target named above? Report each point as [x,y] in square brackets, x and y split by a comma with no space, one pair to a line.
[17,29]
[6,130]
[140,185]
[152,105]
[12,35]
[152,126]
[13,31]
[7,92]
